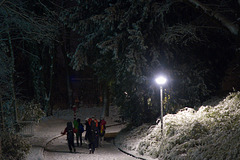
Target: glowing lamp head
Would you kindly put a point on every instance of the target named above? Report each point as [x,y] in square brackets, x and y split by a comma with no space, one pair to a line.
[161,80]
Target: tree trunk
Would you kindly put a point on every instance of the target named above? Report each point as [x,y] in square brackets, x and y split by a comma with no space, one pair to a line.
[234,29]
[106,102]
[0,147]
[68,50]
[69,88]
[2,118]
[48,98]
[65,49]
[12,79]
[2,126]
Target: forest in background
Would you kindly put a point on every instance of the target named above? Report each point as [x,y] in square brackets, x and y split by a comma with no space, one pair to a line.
[125,45]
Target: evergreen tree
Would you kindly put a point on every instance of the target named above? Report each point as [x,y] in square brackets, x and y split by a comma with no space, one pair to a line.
[129,42]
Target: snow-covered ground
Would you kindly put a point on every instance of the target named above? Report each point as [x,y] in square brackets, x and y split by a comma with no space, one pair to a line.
[49,144]
[211,132]
[58,150]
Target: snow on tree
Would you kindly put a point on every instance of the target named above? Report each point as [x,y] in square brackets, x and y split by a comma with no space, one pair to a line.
[134,40]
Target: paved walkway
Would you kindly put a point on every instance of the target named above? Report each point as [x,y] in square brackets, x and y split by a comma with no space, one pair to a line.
[44,132]
[49,129]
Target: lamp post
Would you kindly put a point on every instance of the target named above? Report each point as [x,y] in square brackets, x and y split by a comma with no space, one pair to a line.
[161,81]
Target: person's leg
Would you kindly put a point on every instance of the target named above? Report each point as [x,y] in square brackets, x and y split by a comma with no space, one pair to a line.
[97,141]
[98,134]
[69,146]
[80,138]
[93,147]
[86,135]
[100,141]
[90,147]
[77,138]
[72,144]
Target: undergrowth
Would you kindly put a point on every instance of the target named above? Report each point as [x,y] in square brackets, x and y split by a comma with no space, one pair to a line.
[211,132]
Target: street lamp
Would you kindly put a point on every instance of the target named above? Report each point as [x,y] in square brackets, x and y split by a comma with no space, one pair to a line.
[161,81]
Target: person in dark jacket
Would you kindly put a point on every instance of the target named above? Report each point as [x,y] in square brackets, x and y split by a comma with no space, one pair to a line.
[70,136]
[96,132]
[92,136]
[80,131]
[88,128]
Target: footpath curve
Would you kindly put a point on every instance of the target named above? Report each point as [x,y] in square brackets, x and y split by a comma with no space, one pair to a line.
[49,130]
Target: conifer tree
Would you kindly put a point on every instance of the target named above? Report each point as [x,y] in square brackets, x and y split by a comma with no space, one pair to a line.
[129,42]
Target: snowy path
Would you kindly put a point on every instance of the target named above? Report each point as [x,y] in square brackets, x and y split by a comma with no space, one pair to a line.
[58,150]
[48,144]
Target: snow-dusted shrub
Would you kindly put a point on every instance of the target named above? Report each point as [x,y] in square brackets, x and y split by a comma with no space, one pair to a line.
[30,111]
[130,137]
[212,132]
[14,146]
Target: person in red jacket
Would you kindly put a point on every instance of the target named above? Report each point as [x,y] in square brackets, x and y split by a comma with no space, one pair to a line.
[102,128]
[96,132]
[70,136]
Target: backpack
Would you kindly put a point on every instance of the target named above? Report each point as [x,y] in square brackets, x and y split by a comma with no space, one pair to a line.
[93,126]
[80,128]
[102,129]
[70,134]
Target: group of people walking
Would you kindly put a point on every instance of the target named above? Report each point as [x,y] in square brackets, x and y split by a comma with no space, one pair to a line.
[94,135]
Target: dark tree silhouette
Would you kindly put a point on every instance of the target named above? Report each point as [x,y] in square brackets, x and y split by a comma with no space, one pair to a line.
[128,42]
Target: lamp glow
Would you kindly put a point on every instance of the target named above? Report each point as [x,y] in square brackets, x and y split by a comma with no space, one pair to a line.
[161,80]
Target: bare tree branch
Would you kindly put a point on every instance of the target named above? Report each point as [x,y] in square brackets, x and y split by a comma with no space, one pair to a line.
[2,2]
[234,29]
